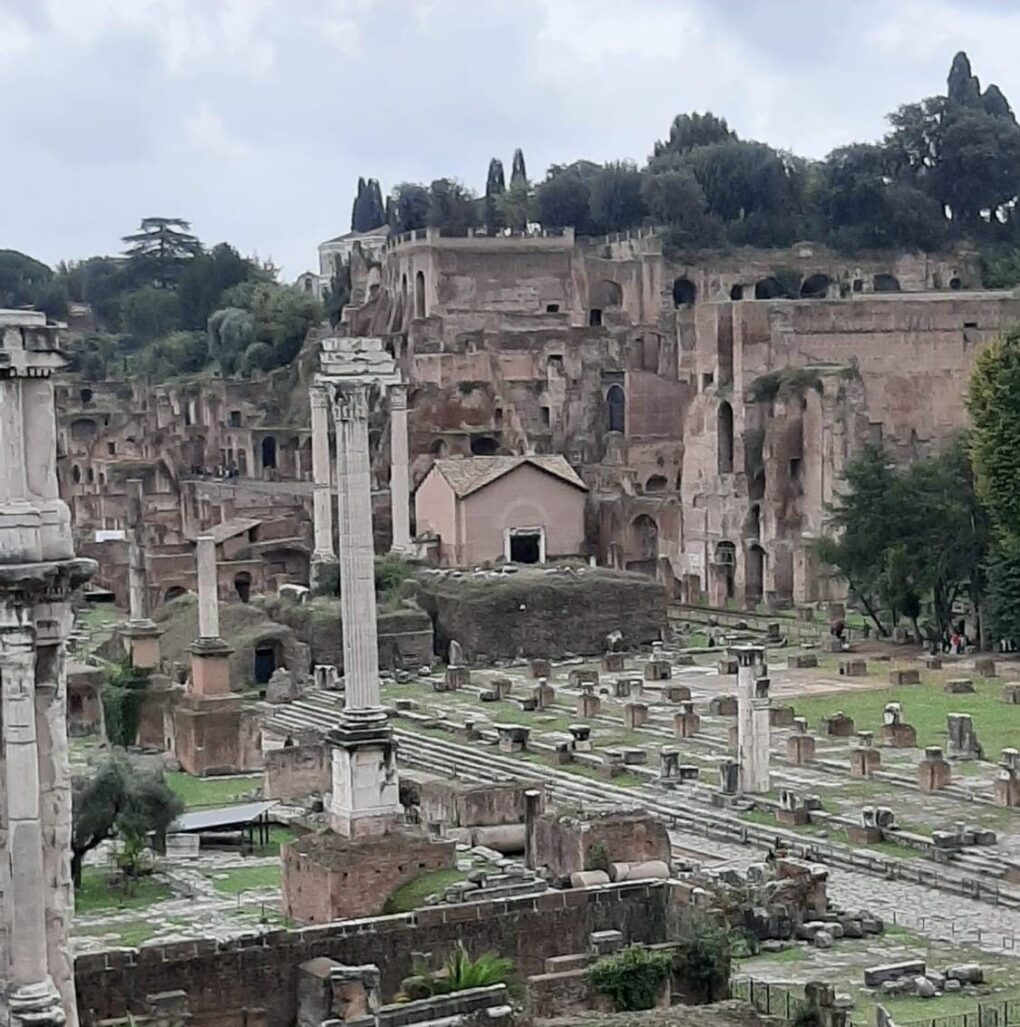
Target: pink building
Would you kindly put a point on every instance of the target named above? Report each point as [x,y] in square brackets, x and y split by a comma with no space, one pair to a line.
[526,509]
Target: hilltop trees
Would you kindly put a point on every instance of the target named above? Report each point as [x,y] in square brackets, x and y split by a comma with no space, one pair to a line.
[158,250]
[368,211]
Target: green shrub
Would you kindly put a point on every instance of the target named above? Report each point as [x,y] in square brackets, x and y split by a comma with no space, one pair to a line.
[461,972]
[631,978]
[123,696]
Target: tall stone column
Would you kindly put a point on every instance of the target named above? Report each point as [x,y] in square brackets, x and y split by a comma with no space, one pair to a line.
[400,472]
[38,572]
[322,495]
[210,666]
[140,634]
[753,733]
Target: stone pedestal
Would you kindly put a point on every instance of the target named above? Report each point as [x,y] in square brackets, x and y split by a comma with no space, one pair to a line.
[456,677]
[782,716]
[543,669]
[802,661]
[864,761]
[1007,781]
[207,735]
[141,640]
[588,704]
[723,706]
[686,722]
[859,834]
[984,667]
[963,739]
[853,668]
[210,667]
[658,670]
[544,694]
[365,798]
[581,733]
[512,737]
[613,662]
[839,725]
[904,676]
[933,772]
[1011,693]
[676,693]
[800,749]
[753,719]
[635,715]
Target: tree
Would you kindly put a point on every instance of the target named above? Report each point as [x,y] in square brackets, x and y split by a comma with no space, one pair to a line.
[231,332]
[451,206]
[495,186]
[675,199]
[150,313]
[159,249]
[409,207]
[689,131]
[207,276]
[518,172]
[368,212]
[564,199]
[120,800]
[616,200]
[338,294]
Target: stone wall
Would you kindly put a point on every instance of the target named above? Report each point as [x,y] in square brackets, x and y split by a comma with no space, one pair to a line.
[296,771]
[456,804]
[568,844]
[261,972]
[543,613]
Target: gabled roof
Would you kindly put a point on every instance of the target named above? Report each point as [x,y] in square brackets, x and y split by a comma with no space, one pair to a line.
[227,529]
[373,233]
[469,474]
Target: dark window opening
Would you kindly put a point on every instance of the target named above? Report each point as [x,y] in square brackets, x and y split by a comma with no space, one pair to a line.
[552,308]
[656,483]
[484,445]
[725,438]
[769,289]
[885,283]
[684,292]
[545,416]
[616,408]
[74,703]
[795,468]
[235,418]
[265,663]
[111,448]
[419,295]
[595,317]
[90,476]
[242,586]
[955,284]
[76,474]
[86,395]
[497,417]
[737,292]
[815,287]
[706,380]
[525,547]
[858,285]
[269,451]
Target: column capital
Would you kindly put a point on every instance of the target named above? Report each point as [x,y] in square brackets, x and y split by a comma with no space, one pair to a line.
[350,402]
[318,395]
[398,396]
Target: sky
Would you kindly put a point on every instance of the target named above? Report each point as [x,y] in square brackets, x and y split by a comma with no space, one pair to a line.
[253,119]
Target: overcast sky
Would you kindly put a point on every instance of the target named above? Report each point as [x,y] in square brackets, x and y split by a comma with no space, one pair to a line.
[254,118]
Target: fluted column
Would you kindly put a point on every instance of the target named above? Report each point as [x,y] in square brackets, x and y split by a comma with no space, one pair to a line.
[400,483]
[322,495]
[357,556]
[208,589]
[138,600]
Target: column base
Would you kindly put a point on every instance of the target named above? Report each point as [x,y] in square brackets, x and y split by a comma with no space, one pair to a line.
[210,667]
[365,799]
[141,639]
[36,1005]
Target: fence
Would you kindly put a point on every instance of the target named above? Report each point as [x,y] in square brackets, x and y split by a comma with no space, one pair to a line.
[1005,1013]
[777,1000]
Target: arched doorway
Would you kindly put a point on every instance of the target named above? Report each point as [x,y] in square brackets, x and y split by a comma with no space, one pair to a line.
[242,585]
[172,593]
[615,408]
[484,445]
[724,436]
[754,579]
[685,292]
[269,452]
[419,295]
[815,287]
[724,568]
[265,660]
[644,544]
[885,283]
[769,289]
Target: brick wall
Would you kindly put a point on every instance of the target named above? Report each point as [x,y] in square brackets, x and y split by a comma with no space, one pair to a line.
[296,771]
[261,972]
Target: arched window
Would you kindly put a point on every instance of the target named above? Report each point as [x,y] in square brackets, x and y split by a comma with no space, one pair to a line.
[242,585]
[753,524]
[616,408]
[955,284]
[754,574]
[737,292]
[419,295]
[606,294]
[815,287]
[656,483]
[76,474]
[269,451]
[684,292]
[725,567]
[484,445]
[724,432]
[439,449]
[769,289]
[885,283]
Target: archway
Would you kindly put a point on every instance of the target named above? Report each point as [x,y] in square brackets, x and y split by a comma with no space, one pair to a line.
[725,567]
[265,660]
[76,474]
[484,445]
[656,483]
[754,582]
[955,284]
[419,295]
[752,526]
[242,585]
[644,539]
[885,283]
[84,429]
[173,592]
[438,448]
[724,438]
[607,294]
[616,408]
[269,451]
[737,292]
[815,287]
[685,292]
[769,289]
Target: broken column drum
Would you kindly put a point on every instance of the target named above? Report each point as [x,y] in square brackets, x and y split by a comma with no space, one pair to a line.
[752,719]
[141,635]
[38,572]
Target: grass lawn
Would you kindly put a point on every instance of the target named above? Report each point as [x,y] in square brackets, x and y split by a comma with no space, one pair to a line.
[925,706]
[129,935]
[212,791]
[95,894]
[412,894]
[277,836]
[248,879]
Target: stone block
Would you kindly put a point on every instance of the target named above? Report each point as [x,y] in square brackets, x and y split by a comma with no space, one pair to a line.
[512,737]
[855,668]
[899,736]
[781,716]
[839,725]
[502,686]
[878,975]
[633,756]
[579,676]
[864,762]
[588,705]
[932,662]
[582,737]
[686,722]
[861,834]
[658,670]
[676,693]
[1011,693]
[963,740]
[544,694]
[728,665]
[904,676]
[635,715]
[984,667]
[457,676]
[800,749]
[729,777]
[933,772]
[613,663]
[802,661]
[723,705]
[541,668]
[958,686]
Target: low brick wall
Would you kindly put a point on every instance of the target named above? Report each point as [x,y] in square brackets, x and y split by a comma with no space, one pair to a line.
[296,771]
[260,972]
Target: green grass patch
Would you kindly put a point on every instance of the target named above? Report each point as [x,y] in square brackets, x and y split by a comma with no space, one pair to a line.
[278,835]
[925,706]
[412,894]
[129,935]
[212,791]
[241,879]
[96,894]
